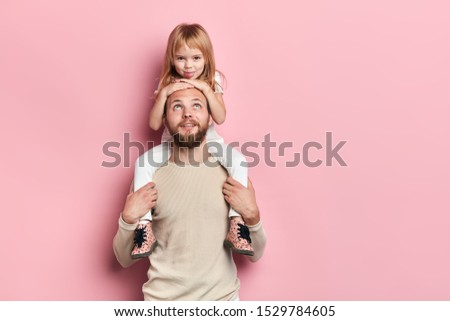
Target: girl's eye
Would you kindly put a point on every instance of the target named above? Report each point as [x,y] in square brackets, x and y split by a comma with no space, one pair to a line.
[180,58]
[197,58]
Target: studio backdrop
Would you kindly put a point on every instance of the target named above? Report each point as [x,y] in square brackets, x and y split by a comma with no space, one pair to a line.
[341,108]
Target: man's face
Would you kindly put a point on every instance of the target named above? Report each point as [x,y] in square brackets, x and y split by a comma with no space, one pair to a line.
[187,117]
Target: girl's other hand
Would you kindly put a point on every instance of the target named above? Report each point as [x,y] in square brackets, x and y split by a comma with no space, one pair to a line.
[175,86]
[197,83]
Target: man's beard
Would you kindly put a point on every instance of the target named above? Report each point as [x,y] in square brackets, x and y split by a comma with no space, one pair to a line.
[189,141]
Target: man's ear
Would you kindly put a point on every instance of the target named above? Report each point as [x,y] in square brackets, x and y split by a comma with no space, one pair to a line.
[210,121]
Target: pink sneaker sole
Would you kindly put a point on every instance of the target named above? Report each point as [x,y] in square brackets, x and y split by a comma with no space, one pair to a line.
[229,245]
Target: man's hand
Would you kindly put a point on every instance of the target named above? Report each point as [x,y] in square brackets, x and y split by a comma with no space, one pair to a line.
[139,203]
[242,200]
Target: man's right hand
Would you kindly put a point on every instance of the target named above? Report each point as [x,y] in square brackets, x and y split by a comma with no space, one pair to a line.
[139,203]
[242,200]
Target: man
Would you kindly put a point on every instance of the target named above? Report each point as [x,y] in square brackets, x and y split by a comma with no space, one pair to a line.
[190,213]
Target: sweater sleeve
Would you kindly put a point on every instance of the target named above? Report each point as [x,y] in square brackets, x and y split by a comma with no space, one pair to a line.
[123,243]
[258,237]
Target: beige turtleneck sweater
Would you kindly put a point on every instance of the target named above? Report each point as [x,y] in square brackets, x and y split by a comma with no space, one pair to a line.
[190,223]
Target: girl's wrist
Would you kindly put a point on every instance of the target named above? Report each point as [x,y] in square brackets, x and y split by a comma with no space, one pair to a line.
[164,93]
[206,90]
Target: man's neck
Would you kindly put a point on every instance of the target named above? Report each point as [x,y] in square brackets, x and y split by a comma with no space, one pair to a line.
[190,156]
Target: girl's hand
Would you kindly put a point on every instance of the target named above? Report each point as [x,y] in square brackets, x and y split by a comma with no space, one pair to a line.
[199,84]
[157,112]
[175,86]
[215,100]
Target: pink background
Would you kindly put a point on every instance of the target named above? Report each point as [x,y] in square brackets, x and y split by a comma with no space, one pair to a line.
[75,75]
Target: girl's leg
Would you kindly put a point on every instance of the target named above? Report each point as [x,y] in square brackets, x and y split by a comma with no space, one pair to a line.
[233,161]
[146,166]
[238,237]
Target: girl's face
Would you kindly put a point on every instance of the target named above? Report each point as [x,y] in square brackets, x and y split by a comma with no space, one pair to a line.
[189,63]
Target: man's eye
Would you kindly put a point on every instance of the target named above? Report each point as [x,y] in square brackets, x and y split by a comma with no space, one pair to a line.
[197,106]
[177,107]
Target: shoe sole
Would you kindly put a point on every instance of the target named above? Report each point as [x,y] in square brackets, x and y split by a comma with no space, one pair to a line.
[145,254]
[229,245]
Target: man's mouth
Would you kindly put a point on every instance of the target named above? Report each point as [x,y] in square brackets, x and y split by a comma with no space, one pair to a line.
[188,126]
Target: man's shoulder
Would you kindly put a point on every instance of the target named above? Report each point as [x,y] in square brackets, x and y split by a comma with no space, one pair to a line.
[154,157]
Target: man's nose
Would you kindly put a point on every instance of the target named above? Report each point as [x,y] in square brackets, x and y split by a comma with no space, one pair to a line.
[187,114]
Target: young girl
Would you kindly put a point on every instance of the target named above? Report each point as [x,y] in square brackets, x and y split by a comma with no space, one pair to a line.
[189,62]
